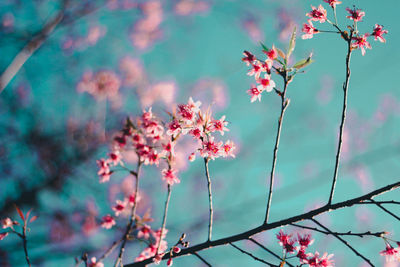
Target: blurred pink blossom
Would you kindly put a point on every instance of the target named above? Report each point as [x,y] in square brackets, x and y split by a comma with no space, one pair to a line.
[190,7]
[132,70]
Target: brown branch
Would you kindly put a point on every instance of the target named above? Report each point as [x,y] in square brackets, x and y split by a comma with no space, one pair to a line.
[251,255]
[132,217]
[284,105]
[268,250]
[344,242]
[210,221]
[109,250]
[339,148]
[269,226]
[30,48]
[349,233]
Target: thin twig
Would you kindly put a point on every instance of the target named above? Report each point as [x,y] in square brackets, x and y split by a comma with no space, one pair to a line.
[132,217]
[344,242]
[164,218]
[349,233]
[385,210]
[109,250]
[284,105]
[345,89]
[251,255]
[210,221]
[265,227]
[268,250]
[202,259]
[25,244]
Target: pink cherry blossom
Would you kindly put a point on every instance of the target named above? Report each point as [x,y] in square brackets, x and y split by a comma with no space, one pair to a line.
[272,54]
[211,149]
[104,171]
[107,221]
[355,14]
[192,157]
[119,207]
[317,14]
[332,3]
[256,69]
[391,253]
[305,240]
[228,148]
[102,84]
[255,94]
[170,177]
[308,30]
[174,128]
[144,232]
[266,83]
[93,263]
[219,125]
[378,32]
[362,43]
[6,223]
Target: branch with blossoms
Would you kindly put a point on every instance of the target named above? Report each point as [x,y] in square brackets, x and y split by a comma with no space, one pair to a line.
[154,139]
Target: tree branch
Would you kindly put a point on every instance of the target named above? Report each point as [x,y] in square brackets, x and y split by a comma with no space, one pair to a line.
[349,233]
[251,255]
[269,226]
[268,250]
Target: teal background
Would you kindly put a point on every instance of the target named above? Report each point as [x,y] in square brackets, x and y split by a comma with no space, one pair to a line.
[205,45]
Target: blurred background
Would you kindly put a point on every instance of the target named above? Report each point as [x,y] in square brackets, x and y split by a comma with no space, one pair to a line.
[159,53]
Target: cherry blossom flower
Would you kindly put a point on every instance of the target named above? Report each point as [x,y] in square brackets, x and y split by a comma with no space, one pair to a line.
[272,54]
[211,149]
[104,171]
[333,3]
[174,128]
[107,221]
[256,69]
[119,207]
[219,125]
[7,222]
[308,30]
[266,83]
[255,94]
[115,157]
[144,232]
[317,14]
[378,32]
[169,262]
[391,253]
[355,14]
[170,177]
[102,84]
[93,263]
[362,43]
[305,240]
[228,148]
[249,58]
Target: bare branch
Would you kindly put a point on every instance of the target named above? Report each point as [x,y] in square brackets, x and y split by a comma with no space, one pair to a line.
[251,255]
[349,233]
[344,242]
[268,250]
[385,210]
[202,259]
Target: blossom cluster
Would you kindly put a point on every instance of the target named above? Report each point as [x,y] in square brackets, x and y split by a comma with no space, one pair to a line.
[264,83]
[359,41]
[298,246]
[391,253]
[154,142]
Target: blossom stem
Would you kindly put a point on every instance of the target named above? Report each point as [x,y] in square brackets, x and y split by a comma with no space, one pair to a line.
[164,218]
[210,221]
[131,219]
[345,90]
[284,105]
[25,241]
